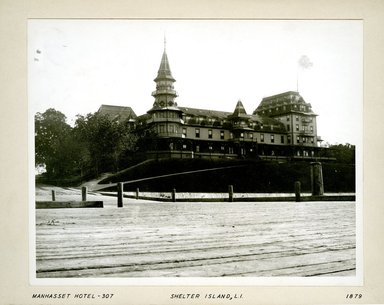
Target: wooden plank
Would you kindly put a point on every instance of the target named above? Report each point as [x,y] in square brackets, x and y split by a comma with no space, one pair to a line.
[198,239]
[68,204]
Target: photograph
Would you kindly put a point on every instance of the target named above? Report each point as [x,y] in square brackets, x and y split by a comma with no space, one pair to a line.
[191,152]
[185,151]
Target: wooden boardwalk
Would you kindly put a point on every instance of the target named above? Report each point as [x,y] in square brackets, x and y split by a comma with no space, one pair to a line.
[157,239]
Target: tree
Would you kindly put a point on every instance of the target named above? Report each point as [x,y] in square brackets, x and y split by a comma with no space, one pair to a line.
[51,132]
[95,145]
[106,140]
[343,153]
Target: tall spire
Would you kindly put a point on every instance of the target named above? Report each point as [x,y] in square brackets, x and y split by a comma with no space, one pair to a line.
[165,93]
[164,69]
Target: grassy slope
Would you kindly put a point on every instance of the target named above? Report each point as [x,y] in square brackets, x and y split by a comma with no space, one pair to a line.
[244,175]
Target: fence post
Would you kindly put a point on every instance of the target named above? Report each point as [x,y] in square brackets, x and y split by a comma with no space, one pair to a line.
[297,190]
[137,193]
[53,195]
[230,193]
[120,190]
[174,195]
[84,193]
[317,183]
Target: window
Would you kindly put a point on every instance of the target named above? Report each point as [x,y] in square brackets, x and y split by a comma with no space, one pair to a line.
[197,132]
[184,132]
[171,128]
[297,127]
[289,139]
[242,135]
[287,118]
[161,128]
[272,138]
[298,139]
[210,134]
[297,118]
[262,137]
[222,135]
[184,146]
[251,135]
[288,127]
[222,148]
[312,140]
[197,148]
[282,139]
[261,126]
[311,128]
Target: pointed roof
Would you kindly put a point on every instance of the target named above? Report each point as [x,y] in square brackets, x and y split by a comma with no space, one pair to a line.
[164,69]
[239,110]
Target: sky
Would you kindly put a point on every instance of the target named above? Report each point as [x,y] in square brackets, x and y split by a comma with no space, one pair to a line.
[75,66]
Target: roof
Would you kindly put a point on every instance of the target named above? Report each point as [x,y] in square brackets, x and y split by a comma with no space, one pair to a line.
[117,112]
[283,103]
[165,108]
[284,94]
[164,69]
[239,110]
[205,112]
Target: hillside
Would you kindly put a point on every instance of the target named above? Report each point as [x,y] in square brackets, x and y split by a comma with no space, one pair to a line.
[200,175]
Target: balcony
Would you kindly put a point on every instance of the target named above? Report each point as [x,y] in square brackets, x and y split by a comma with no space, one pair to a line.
[164,91]
[306,133]
[165,120]
[306,121]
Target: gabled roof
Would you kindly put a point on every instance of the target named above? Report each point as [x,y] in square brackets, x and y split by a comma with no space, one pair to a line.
[117,112]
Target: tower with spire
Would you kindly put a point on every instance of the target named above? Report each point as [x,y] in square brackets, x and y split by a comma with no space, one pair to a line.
[165,117]
[164,94]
